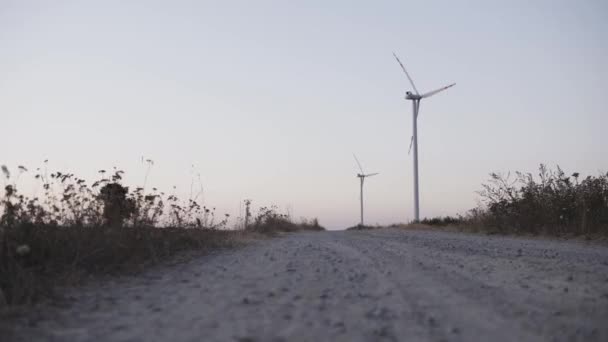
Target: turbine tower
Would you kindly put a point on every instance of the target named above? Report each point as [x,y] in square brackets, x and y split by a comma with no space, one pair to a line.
[415,98]
[362,176]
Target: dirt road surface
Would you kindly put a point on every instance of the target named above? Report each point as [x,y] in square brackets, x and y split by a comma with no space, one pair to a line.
[383,285]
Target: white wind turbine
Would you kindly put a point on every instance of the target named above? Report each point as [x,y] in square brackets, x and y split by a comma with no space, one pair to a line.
[362,176]
[415,98]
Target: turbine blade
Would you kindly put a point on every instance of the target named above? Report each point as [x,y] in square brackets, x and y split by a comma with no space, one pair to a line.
[357,160]
[406,74]
[372,174]
[431,93]
[411,143]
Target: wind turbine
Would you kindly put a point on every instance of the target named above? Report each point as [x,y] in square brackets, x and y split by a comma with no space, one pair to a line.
[362,176]
[415,98]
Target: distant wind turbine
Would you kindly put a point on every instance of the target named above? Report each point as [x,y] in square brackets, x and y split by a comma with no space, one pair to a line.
[362,176]
[415,98]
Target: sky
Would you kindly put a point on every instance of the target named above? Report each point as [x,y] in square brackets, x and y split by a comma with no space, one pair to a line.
[268,100]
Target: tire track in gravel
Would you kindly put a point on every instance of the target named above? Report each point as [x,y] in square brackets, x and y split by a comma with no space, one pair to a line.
[382,285]
[450,313]
[523,292]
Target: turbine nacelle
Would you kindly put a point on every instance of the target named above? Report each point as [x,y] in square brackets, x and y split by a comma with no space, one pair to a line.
[411,96]
[362,175]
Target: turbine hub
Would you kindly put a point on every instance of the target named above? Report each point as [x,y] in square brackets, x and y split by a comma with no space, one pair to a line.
[411,96]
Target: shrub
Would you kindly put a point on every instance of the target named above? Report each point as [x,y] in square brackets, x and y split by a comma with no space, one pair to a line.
[362,227]
[270,220]
[441,221]
[117,208]
[553,203]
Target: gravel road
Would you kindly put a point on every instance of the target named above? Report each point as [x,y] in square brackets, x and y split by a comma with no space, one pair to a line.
[383,285]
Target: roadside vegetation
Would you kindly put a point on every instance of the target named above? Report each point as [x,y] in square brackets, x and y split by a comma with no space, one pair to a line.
[74,230]
[550,203]
[363,227]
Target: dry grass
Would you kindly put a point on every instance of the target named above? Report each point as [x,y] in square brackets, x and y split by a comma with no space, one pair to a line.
[421,226]
[73,231]
[551,204]
[270,221]
[36,258]
[363,227]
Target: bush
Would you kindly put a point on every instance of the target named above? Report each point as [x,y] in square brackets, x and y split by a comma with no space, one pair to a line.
[441,221]
[552,204]
[362,227]
[117,208]
[69,201]
[270,220]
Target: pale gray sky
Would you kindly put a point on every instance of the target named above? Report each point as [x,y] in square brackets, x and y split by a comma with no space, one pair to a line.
[269,99]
